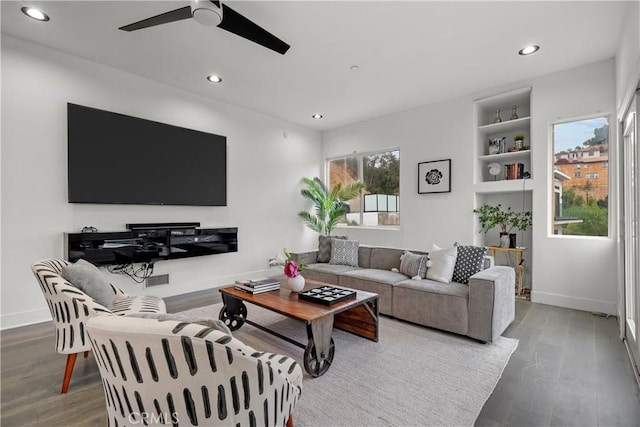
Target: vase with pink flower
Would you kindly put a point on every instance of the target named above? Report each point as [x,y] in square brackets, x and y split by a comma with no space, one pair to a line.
[292,270]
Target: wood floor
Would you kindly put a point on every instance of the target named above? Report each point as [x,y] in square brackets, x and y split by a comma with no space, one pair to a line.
[570,368]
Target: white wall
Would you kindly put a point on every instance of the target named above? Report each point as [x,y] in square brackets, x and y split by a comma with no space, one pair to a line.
[436,132]
[264,172]
[574,272]
[570,272]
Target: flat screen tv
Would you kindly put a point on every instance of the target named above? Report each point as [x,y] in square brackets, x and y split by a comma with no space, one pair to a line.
[114,158]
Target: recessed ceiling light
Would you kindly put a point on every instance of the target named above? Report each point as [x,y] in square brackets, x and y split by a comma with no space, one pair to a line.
[214,79]
[34,13]
[528,50]
[317,116]
[354,68]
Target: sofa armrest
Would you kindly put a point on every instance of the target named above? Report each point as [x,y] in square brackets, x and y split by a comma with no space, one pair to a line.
[305,258]
[491,302]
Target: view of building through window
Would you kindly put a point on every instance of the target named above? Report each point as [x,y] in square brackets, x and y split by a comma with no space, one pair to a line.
[380,172]
[581,177]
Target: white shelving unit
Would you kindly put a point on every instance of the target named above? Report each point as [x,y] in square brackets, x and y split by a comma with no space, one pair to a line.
[487,130]
[497,189]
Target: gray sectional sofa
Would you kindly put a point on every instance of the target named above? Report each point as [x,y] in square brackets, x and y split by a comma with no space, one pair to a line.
[481,309]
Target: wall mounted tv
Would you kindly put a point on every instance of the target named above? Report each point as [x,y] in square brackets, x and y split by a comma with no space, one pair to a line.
[114,158]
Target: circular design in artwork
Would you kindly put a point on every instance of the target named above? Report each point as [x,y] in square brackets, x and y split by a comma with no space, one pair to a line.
[433,177]
[494,168]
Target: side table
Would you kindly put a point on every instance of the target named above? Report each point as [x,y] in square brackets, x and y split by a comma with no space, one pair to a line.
[519,269]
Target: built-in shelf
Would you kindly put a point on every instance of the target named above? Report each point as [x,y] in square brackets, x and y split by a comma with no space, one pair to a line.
[505,126]
[504,186]
[505,157]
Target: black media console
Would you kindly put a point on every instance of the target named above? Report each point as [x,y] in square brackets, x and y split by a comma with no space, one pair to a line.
[150,243]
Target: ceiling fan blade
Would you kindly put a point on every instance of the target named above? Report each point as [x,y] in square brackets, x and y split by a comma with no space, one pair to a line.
[237,24]
[163,18]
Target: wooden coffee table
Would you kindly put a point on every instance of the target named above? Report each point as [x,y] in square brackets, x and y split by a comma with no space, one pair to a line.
[358,316]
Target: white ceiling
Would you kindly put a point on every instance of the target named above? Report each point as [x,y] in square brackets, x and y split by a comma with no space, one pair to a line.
[408,53]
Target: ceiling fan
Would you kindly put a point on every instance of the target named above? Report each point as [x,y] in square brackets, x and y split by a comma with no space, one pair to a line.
[215,13]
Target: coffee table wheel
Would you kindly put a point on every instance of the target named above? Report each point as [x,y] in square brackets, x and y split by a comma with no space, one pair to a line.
[314,366]
[235,321]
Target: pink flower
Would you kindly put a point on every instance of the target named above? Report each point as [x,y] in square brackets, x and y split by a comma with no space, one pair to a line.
[291,269]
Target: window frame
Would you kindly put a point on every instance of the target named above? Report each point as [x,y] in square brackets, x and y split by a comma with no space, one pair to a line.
[610,178]
[361,156]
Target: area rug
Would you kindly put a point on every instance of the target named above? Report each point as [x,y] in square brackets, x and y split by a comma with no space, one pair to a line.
[414,376]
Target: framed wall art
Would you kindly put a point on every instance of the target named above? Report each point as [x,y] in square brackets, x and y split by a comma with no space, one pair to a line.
[434,177]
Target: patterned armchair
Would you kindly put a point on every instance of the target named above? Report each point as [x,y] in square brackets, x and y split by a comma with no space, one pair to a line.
[182,373]
[71,308]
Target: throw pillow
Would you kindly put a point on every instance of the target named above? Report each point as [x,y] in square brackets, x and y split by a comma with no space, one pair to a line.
[470,260]
[344,252]
[324,247]
[204,321]
[413,264]
[443,262]
[90,280]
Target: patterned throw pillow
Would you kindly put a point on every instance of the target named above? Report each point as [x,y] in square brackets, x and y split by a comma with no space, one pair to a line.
[470,261]
[443,262]
[324,247]
[344,252]
[413,265]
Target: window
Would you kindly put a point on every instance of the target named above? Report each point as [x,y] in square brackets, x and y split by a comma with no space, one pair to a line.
[581,203]
[380,171]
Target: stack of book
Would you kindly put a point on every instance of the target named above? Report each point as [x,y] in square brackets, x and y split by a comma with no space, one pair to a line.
[257,286]
[514,171]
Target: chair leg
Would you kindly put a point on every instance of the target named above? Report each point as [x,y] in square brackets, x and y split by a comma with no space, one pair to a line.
[86,354]
[71,360]
[290,421]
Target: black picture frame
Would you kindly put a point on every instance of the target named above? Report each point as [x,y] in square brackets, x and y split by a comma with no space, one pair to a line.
[434,176]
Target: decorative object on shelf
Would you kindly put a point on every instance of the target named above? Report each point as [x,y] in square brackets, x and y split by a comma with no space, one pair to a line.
[494,146]
[329,206]
[497,119]
[514,113]
[434,177]
[494,170]
[494,216]
[292,270]
[503,144]
[518,140]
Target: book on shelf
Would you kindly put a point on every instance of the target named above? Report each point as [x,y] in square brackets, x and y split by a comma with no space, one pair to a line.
[514,171]
[258,290]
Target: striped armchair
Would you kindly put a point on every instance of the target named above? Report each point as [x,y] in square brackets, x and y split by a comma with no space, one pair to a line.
[71,308]
[181,373]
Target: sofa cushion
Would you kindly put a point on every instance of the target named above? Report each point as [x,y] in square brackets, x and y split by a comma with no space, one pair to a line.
[413,265]
[344,252]
[364,256]
[443,262]
[376,275]
[327,273]
[324,247]
[469,261]
[90,280]
[453,288]
[385,258]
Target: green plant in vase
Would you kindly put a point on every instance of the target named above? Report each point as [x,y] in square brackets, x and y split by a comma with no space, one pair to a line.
[491,216]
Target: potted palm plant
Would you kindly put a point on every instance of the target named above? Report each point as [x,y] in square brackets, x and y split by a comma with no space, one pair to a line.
[329,206]
[491,216]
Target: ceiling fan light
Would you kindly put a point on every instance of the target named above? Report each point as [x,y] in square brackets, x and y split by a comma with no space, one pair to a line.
[206,12]
[34,13]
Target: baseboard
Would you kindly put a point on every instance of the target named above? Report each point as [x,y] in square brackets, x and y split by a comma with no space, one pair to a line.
[24,318]
[583,304]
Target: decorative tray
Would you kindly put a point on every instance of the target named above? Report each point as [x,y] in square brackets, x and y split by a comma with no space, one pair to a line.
[327,295]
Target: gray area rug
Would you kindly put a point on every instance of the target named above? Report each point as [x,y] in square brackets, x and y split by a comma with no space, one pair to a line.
[414,376]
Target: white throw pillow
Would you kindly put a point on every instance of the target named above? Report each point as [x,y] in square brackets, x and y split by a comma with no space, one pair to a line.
[443,262]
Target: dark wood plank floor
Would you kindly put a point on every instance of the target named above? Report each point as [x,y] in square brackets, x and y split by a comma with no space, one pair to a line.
[570,368]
